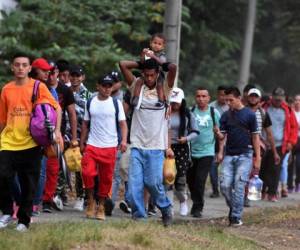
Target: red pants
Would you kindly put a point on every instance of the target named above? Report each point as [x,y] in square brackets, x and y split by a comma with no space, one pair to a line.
[99,161]
[52,170]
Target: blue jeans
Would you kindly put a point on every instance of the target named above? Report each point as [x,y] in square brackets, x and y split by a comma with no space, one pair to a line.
[146,170]
[38,197]
[234,176]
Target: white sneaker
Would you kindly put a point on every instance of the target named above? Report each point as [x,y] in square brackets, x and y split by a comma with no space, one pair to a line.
[183,209]
[58,204]
[5,220]
[21,228]
[79,204]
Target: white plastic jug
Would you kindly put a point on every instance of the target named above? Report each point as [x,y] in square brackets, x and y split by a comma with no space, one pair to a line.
[255,188]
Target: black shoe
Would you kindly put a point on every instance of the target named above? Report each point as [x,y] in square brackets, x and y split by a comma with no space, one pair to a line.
[235,222]
[196,213]
[108,206]
[47,208]
[167,216]
[214,195]
[125,207]
[152,212]
[247,202]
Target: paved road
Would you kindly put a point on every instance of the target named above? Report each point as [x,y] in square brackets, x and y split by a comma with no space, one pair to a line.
[214,208]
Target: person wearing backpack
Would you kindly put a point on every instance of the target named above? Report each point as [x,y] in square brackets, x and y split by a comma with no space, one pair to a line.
[264,127]
[149,137]
[103,129]
[19,153]
[202,149]
[183,130]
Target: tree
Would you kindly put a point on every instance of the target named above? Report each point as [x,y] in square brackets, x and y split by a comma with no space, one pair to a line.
[95,34]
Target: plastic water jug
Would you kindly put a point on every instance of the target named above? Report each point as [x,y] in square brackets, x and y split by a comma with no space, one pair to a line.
[255,187]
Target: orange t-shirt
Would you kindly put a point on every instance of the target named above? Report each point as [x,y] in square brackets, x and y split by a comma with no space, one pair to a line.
[15,110]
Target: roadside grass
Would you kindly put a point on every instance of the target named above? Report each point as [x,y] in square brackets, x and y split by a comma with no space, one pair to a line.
[124,234]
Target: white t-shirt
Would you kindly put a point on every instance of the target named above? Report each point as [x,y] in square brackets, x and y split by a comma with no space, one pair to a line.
[149,127]
[103,130]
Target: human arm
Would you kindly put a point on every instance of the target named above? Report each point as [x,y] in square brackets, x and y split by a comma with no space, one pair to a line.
[73,123]
[271,141]
[169,151]
[124,133]
[84,134]
[126,67]
[256,147]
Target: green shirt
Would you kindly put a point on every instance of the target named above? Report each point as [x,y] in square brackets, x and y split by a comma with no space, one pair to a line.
[204,144]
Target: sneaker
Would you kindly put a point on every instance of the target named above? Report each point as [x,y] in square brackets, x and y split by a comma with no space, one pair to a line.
[214,195]
[196,212]
[35,211]
[235,222]
[152,212]
[297,188]
[109,206]
[183,208]
[125,207]
[272,198]
[284,193]
[58,203]
[291,190]
[167,217]
[100,213]
[79,204]
[247,202]
[5,220]
[263,195]
[47,208]
[21,228]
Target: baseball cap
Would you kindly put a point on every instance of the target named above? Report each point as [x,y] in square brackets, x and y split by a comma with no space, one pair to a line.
[76,69]
[41,63]
[115,75]
[254,91]
[176,95]
[106,80]
[278,92]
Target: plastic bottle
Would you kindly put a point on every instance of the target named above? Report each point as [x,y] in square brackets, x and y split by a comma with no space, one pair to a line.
[255,188]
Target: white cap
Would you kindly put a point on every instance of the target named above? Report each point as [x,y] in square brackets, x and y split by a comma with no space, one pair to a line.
[176,95]
[254,91]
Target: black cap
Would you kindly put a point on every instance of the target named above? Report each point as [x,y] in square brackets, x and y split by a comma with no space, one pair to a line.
[106,80]
[76,69]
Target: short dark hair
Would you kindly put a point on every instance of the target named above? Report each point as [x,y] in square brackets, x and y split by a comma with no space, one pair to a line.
[202,88]
[63,65]
[248,87]
[232,90]
[21,54]
[221,88]
[159,35]
[151,64]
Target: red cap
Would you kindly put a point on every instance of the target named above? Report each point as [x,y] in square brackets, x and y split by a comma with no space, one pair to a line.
[41,63]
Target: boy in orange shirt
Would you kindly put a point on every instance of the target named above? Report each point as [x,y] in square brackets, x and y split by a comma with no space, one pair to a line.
[19,154]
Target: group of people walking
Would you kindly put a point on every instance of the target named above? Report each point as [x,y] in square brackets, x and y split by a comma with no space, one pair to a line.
[125,135]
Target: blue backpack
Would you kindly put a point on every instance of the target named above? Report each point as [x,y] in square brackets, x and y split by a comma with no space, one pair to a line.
[115,101]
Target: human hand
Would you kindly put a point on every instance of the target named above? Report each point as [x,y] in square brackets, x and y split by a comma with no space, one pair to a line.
[182,140]
[123,146]
[169,153]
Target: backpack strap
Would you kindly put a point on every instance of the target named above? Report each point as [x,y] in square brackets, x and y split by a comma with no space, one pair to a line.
[212,113]
[88,106]
[35,91]
[116,105]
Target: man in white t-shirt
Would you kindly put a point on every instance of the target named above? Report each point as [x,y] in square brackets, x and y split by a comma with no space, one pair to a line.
[149,138]
[104,127]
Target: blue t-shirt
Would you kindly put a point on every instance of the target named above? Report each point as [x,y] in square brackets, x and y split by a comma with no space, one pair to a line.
[204,144]
[239,126]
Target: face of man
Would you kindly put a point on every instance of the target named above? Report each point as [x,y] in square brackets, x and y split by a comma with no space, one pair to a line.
[221,97]
[253,100]
[42,74]
[53,75]
[21,67]
[297,101]
[150,76]
[175,106]
[233,102]
[104,90]
[277,100]
[202,98]
[76,79]
[64,76]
